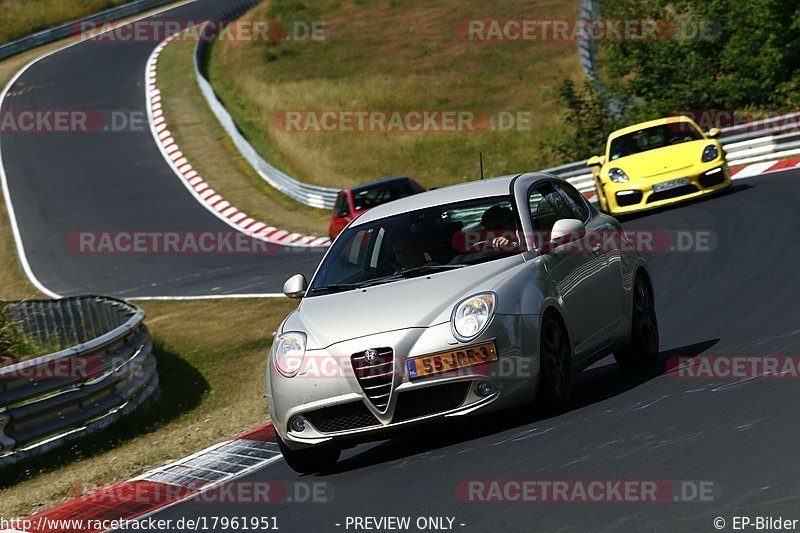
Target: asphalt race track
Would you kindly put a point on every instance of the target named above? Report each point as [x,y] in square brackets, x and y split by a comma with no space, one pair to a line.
[117,181]
[739,298]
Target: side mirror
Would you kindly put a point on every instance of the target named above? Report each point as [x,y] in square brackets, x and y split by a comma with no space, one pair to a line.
[596,161]
[566,230]
[295,287]
[713,132]
[343,214]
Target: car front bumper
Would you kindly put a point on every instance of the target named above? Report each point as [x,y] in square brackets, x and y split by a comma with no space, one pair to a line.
[335,407]
[638,195]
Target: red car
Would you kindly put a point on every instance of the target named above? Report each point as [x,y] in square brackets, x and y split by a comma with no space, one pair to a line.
[352,202]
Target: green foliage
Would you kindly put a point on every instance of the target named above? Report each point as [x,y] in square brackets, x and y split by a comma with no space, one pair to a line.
[709,54]
[706,55]
[588,121]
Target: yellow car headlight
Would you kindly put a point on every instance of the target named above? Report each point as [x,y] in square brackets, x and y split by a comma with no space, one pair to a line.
[617,175]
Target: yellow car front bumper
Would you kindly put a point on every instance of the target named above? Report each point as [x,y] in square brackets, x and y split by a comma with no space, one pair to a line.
[638,194]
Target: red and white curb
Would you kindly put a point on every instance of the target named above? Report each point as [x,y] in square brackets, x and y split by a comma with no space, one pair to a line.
[737,173]
[163,487]
[199,188]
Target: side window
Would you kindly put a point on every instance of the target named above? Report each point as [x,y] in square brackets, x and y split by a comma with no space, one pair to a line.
[341,204]
[547,207]
[574,201]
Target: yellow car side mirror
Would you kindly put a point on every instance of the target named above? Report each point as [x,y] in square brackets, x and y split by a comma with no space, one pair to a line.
[596,161]
[713,132]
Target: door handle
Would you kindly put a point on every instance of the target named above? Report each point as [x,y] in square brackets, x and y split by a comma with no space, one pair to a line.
[597,248]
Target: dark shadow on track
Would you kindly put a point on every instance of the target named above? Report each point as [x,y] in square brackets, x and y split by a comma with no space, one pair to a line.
[593,385]
[736,187]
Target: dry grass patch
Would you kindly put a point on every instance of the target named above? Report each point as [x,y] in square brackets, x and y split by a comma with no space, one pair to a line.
[213,155]
[397,55]
[19,18]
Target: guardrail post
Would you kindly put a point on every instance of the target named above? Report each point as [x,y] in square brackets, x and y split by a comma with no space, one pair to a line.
[6,442]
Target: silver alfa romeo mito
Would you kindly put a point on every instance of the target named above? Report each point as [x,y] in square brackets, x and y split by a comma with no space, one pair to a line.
[453,302]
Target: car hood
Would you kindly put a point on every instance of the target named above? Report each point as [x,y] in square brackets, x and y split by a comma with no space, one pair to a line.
[416,302]
[662,160]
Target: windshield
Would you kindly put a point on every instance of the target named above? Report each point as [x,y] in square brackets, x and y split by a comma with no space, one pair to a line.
[420,242]
[652,138]
[370,196]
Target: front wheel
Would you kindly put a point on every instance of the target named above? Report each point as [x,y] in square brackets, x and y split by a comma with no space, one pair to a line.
[309,460]
[643,347]
[602,203]
[555,366]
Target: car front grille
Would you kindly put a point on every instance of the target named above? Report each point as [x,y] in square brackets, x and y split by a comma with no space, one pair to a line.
[672,193]
[376,376]
[342,417]
[430,400]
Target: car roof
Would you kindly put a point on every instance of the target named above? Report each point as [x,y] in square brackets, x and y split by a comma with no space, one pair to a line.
[454,193]
[650,124]
[385,181]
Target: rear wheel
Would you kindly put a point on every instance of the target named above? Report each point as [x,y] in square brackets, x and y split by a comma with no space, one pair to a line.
[309,460]
[555,365]
[643,347]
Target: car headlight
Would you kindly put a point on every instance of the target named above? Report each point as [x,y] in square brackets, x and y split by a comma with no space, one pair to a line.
[617,175]
[471,316]
[710,153]
[290,348]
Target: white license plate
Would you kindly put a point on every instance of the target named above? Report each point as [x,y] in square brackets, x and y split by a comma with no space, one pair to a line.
[671,184]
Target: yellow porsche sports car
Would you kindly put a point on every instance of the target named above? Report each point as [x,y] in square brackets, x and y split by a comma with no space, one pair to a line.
[656,163]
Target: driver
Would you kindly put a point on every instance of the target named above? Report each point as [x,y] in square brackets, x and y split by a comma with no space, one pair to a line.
[499,222]
[407,251]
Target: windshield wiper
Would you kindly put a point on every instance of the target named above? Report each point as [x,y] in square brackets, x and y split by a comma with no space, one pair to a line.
[337,287]
[426,269]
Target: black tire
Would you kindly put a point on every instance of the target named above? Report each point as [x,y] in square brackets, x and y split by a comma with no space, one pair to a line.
[309,460]
[555,365]
[643,347]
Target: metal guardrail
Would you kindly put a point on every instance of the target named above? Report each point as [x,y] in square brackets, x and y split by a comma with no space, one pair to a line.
[305,193]
[103,369]
[69,29]
[587,47]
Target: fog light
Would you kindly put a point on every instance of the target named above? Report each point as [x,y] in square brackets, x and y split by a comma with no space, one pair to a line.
[485,389]
[298,424]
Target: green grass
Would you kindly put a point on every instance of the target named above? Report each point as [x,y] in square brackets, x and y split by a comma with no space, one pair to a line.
[14,347]
[19,18]
[402,55]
